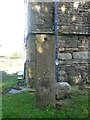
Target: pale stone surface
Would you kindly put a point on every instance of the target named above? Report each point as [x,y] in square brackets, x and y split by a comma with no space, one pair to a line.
[74,61]
[22,89]
[62,88]
[62,72]
[14,91]
[64,56]
[80,55]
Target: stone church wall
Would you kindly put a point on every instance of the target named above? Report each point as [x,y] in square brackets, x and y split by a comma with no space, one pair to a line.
[73,38]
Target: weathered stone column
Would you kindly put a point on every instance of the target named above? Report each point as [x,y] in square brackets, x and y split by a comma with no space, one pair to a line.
[45,70]
[43,60]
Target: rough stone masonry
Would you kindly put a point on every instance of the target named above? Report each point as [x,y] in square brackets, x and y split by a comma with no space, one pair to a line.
[73,38]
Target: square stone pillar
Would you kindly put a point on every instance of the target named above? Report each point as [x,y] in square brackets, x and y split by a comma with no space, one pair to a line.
[45,70]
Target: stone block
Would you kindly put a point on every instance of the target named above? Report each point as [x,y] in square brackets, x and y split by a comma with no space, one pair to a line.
[64,56]
[32,39]
[72,62]
[34,28]
[62,78]
[62,73]
[62,88]
[80,55]
[32,57]
[32,48]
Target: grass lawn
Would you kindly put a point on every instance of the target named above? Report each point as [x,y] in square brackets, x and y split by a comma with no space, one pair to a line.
[9,69]
[9,80]
[22,105]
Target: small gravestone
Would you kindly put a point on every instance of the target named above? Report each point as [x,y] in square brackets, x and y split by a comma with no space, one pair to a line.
[20,78]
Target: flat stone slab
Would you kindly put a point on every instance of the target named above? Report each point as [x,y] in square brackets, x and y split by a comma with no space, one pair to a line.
[14,91]
[27,89]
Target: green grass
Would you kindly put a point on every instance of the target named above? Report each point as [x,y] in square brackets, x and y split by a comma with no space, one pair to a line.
[78,107]
[9,81]
[22,105]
